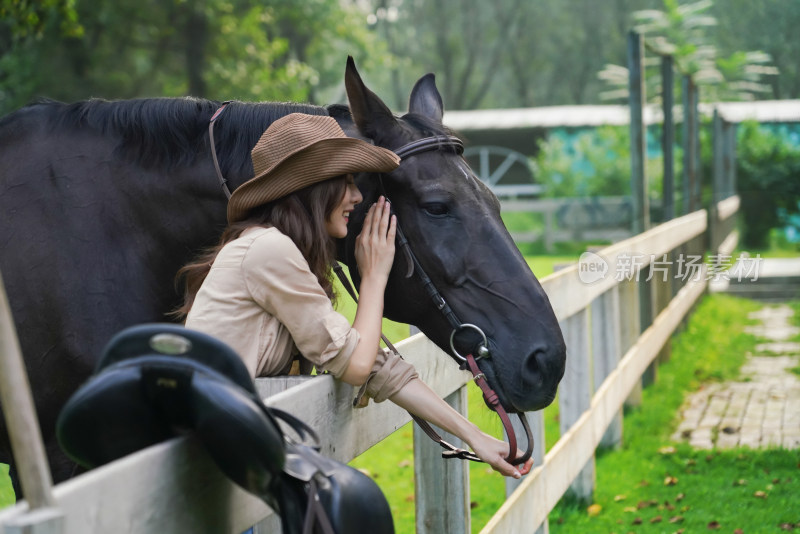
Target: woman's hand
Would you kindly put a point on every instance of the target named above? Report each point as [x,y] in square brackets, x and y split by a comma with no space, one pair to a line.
[375,243]
[494,452]
[374,255]
[419,399]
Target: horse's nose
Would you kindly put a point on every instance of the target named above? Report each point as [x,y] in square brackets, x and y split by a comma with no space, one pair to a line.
[541,372]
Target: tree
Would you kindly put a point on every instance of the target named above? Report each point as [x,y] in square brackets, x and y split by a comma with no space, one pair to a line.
[768,25]
[222,49]
[683,31]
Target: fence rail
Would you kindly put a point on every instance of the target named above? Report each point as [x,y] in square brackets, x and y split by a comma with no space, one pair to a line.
[174,487]
[606,218]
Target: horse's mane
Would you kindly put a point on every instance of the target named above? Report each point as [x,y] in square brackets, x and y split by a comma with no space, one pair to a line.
[169,132]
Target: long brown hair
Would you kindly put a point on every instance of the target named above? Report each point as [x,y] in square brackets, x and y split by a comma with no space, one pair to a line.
[301,215]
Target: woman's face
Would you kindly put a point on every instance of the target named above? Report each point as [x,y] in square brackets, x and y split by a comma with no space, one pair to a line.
[336,223]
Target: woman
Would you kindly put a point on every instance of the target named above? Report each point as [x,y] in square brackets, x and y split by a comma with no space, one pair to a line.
[266,288]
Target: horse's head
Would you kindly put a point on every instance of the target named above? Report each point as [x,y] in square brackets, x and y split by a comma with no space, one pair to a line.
[452,222]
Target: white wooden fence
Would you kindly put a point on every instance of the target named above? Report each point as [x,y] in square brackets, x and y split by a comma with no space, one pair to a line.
[174,487]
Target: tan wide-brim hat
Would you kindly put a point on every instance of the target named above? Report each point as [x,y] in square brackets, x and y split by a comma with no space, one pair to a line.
[299,150]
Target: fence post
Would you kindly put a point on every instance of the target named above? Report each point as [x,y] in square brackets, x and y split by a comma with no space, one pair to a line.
[668,137]
[23,429]
[536,421]
[731,159]
[636,99]
[690,178]
[575,392]
[441,487]
[630,327]
[718,179]
[606,352]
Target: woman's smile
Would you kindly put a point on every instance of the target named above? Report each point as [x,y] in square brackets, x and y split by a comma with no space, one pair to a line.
[336,223]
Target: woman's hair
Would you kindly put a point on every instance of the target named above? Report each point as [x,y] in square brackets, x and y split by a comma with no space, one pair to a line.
[300,215]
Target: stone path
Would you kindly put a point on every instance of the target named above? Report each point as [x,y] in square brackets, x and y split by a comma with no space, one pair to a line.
[763,410]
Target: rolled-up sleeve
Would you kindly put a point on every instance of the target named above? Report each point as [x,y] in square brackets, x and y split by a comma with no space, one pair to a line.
[280,280]
[389,375]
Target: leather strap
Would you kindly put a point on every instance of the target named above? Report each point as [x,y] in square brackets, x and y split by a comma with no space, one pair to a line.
[222,181]
[315,513]
[450,450]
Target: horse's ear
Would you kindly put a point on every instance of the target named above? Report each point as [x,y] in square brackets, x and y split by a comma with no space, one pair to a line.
[425,99]
[369,112]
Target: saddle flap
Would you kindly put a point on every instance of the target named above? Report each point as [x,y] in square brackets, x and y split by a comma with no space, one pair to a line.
[350,500]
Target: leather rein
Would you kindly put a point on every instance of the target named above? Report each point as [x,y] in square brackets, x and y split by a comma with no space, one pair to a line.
[469,362]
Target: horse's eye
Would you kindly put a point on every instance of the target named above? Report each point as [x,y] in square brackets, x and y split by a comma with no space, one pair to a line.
[437,209]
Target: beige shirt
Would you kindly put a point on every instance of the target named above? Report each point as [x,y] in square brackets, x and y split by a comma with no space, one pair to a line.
[261,298]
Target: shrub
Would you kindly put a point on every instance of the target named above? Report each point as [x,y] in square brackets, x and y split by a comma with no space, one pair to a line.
[768,181]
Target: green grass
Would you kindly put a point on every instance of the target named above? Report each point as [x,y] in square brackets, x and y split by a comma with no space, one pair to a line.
[651,481]
[6,494]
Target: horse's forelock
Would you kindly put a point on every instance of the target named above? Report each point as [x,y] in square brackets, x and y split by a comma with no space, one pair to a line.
[170,132]
[425,125]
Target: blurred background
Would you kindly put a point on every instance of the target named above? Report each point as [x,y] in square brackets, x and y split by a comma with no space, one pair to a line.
[506,59]
[500,54]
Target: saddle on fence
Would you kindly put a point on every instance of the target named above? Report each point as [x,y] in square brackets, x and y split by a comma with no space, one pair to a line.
[158,381]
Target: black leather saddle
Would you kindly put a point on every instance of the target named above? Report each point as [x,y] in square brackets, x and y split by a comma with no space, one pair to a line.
[158,381]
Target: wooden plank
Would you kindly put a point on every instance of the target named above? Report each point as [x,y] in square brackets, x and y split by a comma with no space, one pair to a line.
[20,414]
[646,302]
[438,481]
[630,329]
[568,294]
[575,392]
[728,245]
[542,488]
[728,207]
[606,352]
[38,521]
[174,487]
[536,421]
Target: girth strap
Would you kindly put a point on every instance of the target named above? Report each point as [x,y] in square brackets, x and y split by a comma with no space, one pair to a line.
[315,512]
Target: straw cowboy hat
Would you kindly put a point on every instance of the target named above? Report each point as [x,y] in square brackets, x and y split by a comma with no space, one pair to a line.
[299,150]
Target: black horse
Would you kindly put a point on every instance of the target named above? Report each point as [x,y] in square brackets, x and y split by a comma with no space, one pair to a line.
[103,201]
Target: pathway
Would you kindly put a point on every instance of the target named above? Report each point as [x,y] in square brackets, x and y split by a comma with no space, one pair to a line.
[762,410]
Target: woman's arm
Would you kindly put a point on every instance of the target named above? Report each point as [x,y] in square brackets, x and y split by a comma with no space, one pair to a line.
[417,398]
[374,255]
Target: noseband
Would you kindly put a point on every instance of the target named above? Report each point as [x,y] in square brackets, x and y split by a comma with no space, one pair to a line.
[470,362]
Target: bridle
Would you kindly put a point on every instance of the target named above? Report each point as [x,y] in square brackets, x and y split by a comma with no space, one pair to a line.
[469,362]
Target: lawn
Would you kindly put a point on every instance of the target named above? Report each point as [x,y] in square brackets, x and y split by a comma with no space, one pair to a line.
[654,485]
[650,484]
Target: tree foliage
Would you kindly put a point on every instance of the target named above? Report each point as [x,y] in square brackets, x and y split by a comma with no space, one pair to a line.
[221,49]
[684,31]
[768,167]
[505,53]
